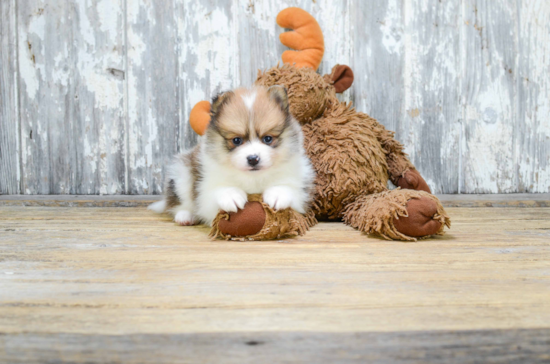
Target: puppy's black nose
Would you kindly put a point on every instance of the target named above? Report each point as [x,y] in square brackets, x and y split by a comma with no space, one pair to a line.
[253,160]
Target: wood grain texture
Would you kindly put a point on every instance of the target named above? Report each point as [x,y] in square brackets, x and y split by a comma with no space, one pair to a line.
[100,86]
[153,116]
[258,34]
[105,87]
[378,60]
[533,105]
[429,126]
[105,284]
[88,200]
[9,112]
[208,55]
[47,113]
[492,200]
[486,346]
[71,76]
[489,94]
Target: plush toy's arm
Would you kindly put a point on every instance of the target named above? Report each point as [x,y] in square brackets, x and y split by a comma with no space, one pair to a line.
[401,170]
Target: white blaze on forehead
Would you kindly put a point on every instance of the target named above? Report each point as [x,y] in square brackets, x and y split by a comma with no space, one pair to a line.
[249,102]
[249,99]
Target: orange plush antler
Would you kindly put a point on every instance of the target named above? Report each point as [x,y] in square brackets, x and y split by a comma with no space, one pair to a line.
[306,38]
[199,118]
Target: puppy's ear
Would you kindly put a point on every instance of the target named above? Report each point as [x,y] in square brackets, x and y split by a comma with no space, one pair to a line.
[219,101]
[279,95]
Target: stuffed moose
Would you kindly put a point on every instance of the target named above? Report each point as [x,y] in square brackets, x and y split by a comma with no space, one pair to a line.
[352,154]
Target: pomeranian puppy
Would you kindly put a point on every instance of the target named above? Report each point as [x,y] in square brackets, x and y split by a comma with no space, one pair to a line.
[252,145]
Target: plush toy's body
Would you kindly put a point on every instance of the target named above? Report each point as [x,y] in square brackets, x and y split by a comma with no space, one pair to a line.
[354,156]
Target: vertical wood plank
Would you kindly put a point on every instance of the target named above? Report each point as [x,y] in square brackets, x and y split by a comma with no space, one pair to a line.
[489,96]
[430,118]
[71,61]
[259,45]
[334,17]
[153,117]
[464,85]
[9,113]
[533,99]
[378,56]
[208,55]
[44,32]
[99,118]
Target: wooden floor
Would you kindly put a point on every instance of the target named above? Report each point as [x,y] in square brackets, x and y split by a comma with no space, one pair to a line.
[96,285]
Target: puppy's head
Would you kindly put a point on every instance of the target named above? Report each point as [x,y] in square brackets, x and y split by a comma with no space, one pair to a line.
[252,129]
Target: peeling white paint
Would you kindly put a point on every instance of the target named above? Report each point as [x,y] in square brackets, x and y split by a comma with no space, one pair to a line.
[109,17]
[101,159]
[86,28]
[90,148]
[107,90]
[410,61]
[137,48]
[30,45]
[138,8]
[391,28]
[152,140]
[61,74]
[214,47]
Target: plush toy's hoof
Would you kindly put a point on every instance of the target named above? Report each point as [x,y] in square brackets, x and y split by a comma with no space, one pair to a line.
[258,221]
[248,221]
[420,221]
[398,214]
[412,180]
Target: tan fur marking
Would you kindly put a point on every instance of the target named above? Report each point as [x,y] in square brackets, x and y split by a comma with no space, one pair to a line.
[269,119]
[233,118]
[191,161]
[265,118]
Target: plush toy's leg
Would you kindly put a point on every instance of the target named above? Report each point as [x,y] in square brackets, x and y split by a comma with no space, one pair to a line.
[257,221]
[398,214]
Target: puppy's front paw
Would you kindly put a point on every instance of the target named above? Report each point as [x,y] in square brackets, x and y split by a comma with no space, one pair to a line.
[184,218]
[231,199]
[278,197]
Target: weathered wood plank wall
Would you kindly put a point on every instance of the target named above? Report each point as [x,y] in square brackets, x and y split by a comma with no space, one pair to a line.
[9,119]
[94,94]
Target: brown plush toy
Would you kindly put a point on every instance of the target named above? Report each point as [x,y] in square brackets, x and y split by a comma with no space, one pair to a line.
[353,155]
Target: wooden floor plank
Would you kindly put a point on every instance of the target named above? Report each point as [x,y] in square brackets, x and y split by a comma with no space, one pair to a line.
[125,275]
[448,200]
[485,346]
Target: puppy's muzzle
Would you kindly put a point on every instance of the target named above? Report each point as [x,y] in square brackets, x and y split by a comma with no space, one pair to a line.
[253,160]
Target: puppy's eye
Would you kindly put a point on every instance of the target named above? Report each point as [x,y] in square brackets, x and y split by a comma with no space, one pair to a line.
[237,141]
[267,139]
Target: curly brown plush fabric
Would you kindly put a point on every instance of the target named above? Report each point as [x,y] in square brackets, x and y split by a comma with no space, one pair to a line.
[305,87]
[354,156]
[396,159]
[377,213]
[276,224]
[347,156]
